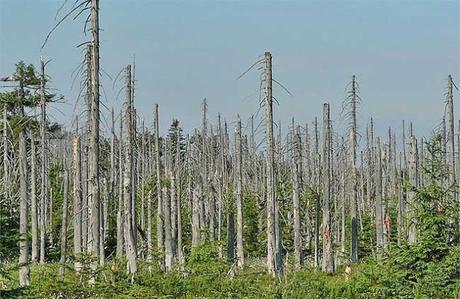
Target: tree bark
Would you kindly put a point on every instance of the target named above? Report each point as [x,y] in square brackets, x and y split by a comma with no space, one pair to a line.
[77,199]
[24,271]
[34,208]
[328,256]
[64,223]
[130,247]
[239,197]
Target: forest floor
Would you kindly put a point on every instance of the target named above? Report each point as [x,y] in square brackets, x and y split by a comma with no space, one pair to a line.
[217,279]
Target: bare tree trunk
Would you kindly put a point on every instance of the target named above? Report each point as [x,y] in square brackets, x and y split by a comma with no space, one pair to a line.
[120,214]
[378,201]
[93,158]
[34,208]
[451,133]
[239,196]
[204,200]
[273,248]
[353,198]
[296,175]
[160,225]
[77,199]
[328,256]
[6,170]
[180,253]
[24,272]
[64,223]
[167,222]
[149,229]
[317,182]
[128,231]
[50,215]
[413,175]
[44,174]
[113,174]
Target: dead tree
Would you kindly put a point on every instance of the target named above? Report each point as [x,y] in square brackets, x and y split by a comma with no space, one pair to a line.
[33,197]
[64,222]
[451,132]
[273,245]
[239,196]
[378,201]
[413,183]
[130,247]
[120,212]
[24,271]
[77,198]
[160,227]
[93,153]
[43,174]
[296,191]
[328,256]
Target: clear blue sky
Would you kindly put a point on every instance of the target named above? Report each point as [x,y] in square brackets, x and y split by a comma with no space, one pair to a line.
[400,51]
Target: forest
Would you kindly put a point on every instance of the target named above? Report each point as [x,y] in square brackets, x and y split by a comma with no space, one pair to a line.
[230,209]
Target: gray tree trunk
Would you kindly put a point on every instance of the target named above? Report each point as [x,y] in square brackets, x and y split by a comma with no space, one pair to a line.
[93,154]
[24,271]
[77,199]
[130,247]
[64,222]
[160,225]
[378,201]
[34,208]
[413,181]
[273,248]
[296,190]
[120,214]
[44,174]
[328,256]
[451,133]
[239,196]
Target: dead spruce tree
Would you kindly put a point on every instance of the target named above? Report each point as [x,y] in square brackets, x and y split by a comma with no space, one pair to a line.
[160,223]
[350,106]
[120,213]
[43,174]
[412,184]
[93,150]
[274,263]
[296,193]
[62,259]
[239,195]
[328,255]
[33,198]
[77,197]
[378,201]
[130,247]
[451,132]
